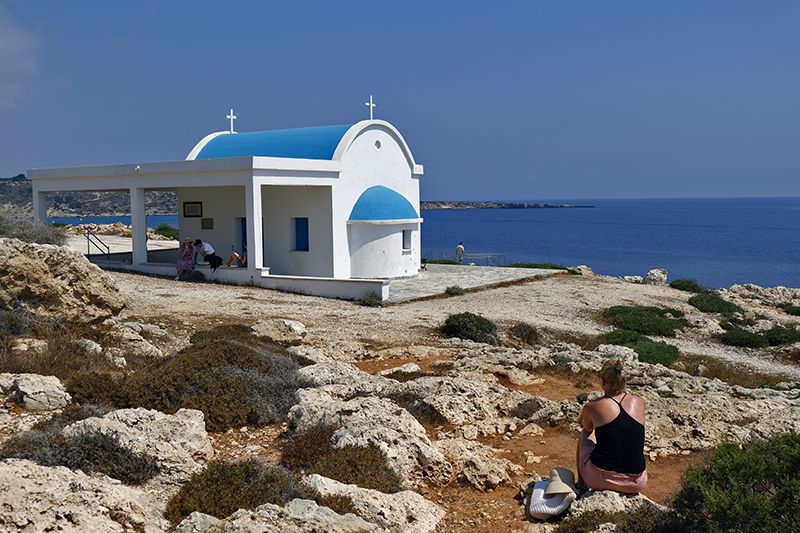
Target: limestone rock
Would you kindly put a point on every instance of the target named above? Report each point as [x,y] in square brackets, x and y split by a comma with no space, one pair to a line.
[610,501]
[633,279]
[55,282]
[37,498]
[771,296]
[408,368]
[657,276]
[404,511]
[33,391]
[621,352]
[29,346]
[281,331]
[178,442]
[477,463]
[89,346]
[297,516]
[379,422]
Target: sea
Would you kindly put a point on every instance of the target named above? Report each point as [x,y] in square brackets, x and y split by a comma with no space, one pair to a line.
[718,242]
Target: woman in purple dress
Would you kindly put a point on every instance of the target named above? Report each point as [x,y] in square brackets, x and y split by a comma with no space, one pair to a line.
[185,259]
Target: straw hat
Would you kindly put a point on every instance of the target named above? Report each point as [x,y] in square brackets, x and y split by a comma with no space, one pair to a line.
[562,480]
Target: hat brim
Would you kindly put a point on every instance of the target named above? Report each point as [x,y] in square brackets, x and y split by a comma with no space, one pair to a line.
[556,486]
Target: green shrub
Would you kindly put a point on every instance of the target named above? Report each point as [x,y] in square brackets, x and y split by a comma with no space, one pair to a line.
[645,519]
[90,452]
[167,231]
[788,308]
[440,261]
[225,487]
[546,266]
[646,320]
[648,350]
[755,488]
[526,333]
[312,451]
[472,327]
[739,337]
[779,335]
[234,383]
[32,232]
[371,300]
[687,285]
[455,290]
[710,302]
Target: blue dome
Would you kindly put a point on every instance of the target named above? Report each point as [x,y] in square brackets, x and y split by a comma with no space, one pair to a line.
[303,143]
[382,203]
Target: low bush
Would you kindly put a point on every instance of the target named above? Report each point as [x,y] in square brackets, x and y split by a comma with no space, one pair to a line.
[225,487]
[440,261]
[472,327]
[729,373]
[234,382]
[167,231]
[646,320]
[711,302]
[753,488]
[371,300]
[455,290]
[33,232]
[645,519]
[91,452]
[647,350]
[793,310]
[546,266]
[525,333]
[687,285]
[312,451]
[779,335]
[740,337]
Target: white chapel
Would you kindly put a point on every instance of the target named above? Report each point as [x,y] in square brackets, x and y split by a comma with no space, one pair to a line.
[329,210]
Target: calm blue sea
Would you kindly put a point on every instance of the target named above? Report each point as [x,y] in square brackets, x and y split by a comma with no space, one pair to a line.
[717,241]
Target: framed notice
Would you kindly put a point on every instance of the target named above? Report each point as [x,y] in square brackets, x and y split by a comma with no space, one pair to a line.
[192,209]
[206,223]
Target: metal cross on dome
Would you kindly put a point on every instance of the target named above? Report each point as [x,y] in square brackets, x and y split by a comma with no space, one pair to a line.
[231,117]
[371,106]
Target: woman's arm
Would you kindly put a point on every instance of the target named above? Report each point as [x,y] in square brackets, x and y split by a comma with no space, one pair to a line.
[585,419]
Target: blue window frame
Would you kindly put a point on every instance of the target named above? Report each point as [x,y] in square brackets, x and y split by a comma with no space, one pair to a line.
[301,234]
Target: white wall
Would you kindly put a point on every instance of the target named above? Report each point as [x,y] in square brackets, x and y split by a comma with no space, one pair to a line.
[225,205]
[281,204]
[376,251]
[363,166]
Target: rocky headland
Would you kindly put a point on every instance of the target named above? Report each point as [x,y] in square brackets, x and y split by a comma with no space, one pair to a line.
[495,205]
[420,432]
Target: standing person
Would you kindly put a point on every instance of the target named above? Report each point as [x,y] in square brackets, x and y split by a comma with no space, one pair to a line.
[460,252]
[611,447]
[185,259]
[207,251]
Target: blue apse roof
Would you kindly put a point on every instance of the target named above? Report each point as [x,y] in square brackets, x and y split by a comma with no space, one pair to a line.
[304,143]
[382,203]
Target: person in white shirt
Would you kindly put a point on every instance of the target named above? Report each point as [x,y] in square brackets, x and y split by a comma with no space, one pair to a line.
[460,252]
[207,251]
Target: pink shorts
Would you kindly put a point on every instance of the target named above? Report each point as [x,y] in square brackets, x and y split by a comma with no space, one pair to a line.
[599,479]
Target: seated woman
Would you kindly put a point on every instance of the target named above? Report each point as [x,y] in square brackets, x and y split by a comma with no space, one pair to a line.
[185,261]
[239,259]
[611,447]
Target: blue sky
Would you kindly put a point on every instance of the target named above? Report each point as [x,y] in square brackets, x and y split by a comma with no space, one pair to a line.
[500,100]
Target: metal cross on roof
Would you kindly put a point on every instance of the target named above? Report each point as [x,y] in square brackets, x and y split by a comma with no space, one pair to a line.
[231,117]
[371,106]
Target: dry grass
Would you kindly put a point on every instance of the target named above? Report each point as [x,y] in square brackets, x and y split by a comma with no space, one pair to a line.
[730,373]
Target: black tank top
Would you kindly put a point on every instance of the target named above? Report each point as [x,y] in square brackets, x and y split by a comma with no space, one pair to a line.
[620,444]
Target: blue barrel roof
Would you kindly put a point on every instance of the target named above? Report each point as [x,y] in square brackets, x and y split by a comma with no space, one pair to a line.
[318,142]
[382,203]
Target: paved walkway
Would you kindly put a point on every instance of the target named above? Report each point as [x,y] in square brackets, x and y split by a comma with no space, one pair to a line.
[437,278]
[116,244]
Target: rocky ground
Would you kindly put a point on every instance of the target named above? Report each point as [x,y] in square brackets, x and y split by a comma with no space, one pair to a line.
[467,427]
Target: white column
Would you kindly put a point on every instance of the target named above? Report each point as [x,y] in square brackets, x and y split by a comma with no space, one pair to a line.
[40,205]
[138,226]
[255,251]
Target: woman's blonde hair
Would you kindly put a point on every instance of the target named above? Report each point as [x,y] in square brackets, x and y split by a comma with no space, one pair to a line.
[611,374]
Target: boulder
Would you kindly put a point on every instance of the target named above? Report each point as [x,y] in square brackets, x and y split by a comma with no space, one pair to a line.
[178,442]
[477,463]
[37,498]
[610,501]
[281,331]
[378,422]
[55,282]
[404,511]
[33,391]
[29,346]
[408,368]
[657,276]
[627,355]
[632,279]
[296,517]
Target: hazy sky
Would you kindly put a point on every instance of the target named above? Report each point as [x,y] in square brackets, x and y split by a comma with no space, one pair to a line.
[499,100]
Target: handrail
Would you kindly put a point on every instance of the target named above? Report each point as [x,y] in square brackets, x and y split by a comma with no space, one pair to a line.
[93,240]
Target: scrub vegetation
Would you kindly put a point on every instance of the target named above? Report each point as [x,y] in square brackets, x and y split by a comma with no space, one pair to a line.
[777,335]
[165,230]
[648,350]
[687,285]
[15,227]
[455,290]
[471,327]
[547,266]
[710,302]
[646,320]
